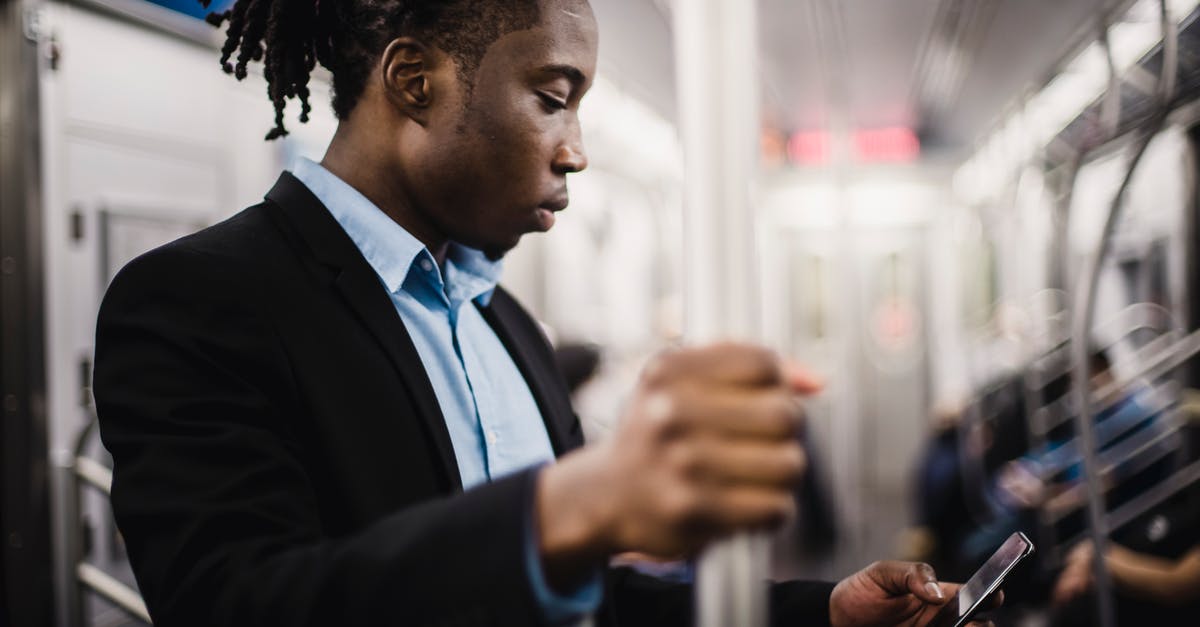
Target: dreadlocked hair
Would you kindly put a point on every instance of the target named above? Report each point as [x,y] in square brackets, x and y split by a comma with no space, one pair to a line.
[347,38]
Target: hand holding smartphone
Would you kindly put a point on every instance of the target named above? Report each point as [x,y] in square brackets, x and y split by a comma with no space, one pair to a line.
[974,595]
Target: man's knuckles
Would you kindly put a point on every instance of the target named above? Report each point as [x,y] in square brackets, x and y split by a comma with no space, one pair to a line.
[757,509]
[783,416]
[770,413]
[687,464]
[752,365]
[729,363]
[795,464]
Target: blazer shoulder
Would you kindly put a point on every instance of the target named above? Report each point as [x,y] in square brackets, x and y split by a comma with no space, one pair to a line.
[244,236]
[225,253]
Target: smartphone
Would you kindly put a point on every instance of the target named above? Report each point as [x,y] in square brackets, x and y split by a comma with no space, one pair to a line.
[974,594]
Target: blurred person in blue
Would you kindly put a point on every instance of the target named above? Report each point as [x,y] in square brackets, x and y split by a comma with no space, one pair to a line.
[1051,476]
[326,411]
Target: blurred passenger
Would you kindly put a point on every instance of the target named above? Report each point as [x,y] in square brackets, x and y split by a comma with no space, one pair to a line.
[1052,476]
[943,517]
[324,411]
[1155,568]
[1154,561]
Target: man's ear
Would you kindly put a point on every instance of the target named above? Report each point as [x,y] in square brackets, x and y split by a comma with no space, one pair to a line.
[407,66]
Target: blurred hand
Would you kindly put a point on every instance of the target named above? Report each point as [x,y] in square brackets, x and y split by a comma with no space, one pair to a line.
[707,447]
[1020,485]
[1076,577]
[891,593]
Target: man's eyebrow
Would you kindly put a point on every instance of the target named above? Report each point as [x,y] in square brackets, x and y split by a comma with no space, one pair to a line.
[570,72]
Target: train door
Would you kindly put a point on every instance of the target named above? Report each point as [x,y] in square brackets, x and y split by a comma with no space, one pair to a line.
[849,289]
[893,376]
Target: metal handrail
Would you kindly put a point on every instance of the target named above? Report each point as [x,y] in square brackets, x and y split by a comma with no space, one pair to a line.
[1154,496]
[1159,360]
[110,588]
[1059,412]
[1107,433]
[1111,461]
[1155,367]
[1117,329]
[1081,389]
[1144,502]
[1084,309]
[94,473]
[85,472]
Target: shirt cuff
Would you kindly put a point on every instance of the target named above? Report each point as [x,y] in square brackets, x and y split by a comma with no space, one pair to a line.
[557,608]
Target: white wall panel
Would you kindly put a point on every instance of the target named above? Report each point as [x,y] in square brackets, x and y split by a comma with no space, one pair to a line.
[135,79]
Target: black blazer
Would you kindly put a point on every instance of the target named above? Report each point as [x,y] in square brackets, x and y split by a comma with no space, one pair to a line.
[280,457]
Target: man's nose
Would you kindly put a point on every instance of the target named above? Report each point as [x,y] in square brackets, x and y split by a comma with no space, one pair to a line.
[571,156]
[571,159]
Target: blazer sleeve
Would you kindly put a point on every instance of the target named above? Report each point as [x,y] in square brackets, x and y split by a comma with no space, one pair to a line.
[637,600]
[211,487]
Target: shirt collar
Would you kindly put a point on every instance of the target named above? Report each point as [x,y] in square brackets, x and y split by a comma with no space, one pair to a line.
[392,251]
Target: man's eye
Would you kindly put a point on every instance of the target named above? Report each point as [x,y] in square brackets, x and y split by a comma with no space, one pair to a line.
[551,101]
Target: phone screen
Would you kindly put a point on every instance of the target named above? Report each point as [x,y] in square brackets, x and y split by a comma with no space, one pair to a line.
[984,582]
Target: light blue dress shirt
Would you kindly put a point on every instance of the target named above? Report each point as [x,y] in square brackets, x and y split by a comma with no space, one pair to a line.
[494,422]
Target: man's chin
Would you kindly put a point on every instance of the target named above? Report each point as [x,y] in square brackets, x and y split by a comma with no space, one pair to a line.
[496,251]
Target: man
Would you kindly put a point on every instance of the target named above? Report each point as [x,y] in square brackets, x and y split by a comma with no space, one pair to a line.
[324,412]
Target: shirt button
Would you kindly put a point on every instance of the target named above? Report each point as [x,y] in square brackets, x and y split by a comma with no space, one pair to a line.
[427,265]
[491,437]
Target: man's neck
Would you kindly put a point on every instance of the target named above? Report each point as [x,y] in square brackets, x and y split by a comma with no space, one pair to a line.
[369,171]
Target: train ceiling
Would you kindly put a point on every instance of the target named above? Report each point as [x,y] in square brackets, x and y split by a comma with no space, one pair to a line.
[946,68]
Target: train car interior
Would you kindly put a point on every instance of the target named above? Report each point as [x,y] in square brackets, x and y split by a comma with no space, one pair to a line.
[974,220]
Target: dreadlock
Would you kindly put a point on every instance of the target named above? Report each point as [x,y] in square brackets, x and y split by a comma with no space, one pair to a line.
[347,37]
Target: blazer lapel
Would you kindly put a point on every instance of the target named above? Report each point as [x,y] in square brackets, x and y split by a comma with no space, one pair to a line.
[521,337]
[362,291]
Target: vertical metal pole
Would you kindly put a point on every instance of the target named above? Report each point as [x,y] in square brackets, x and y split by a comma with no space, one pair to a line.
[1081,384]
[717,66]
[1084,310]
[25,575]
[1081,326]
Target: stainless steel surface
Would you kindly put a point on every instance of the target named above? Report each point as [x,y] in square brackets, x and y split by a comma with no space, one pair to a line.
[25,548]
[1142,503]
[94,473]
[1082,315]
[112,589]
[720,132]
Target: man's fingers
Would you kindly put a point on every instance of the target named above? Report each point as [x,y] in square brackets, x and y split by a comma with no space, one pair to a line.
[720,364]
[762,414]
[949,589]
[922,581]
[756,508]
[899,578]
[732,364]
[801,380]
[742,463]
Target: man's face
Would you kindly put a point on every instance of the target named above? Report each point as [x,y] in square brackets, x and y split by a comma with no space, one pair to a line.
[497,167]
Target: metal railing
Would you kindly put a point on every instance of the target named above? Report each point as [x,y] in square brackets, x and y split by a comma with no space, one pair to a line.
[80,474]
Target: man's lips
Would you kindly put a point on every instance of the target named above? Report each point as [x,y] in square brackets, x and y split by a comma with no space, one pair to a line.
[555,205]
[545,211]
